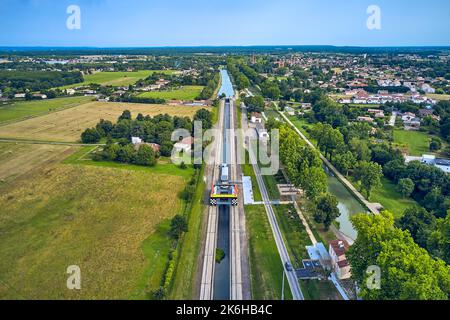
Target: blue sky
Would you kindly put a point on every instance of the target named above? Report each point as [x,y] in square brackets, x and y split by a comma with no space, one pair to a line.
[115,23]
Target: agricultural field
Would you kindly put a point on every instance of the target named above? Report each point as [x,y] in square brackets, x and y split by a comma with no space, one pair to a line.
[26,109]
[116,78]
[184,93]
[17,160]
[112,223]
[67,125]
[439,97]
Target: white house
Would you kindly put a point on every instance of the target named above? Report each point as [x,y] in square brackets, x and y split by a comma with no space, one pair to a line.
[255,117]
[427,88]
[70,92]
[443,164]
[184,145]
[136,140]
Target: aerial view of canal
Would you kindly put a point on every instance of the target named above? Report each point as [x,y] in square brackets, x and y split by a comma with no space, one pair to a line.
[226,86]
[348,205]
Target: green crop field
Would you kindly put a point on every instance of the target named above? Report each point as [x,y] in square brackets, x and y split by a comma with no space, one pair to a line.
[26,109]
[110,222]
[184,93]
[116,78]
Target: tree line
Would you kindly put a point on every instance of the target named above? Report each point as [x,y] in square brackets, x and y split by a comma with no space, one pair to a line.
[157,130]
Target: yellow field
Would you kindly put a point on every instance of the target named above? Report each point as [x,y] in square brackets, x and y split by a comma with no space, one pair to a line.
[92,217]
[19,159]
[438,97]
[67,125]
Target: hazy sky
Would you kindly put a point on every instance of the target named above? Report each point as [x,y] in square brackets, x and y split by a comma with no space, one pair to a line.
[113,23]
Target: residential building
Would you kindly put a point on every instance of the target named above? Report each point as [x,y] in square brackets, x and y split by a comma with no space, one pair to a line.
[255,117]
[443,164]
[184,145]
[339,262]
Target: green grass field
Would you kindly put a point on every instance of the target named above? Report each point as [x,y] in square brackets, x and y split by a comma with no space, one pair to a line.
[391,200]
[190,256]
[163,167]
[417,142]
[184,93]
[26,109]
[266,268]
[293,232]
[111,221]
[116,78]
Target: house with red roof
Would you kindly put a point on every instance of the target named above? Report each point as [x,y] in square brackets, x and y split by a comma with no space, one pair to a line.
[339,262]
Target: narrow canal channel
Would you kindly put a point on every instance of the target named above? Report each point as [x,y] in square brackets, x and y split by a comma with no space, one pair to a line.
[348,205]
[222,276]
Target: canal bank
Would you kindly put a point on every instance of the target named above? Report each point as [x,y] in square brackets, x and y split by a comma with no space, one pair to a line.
[351,201]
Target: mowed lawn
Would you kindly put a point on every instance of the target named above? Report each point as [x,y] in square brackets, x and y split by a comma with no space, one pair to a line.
[116,78]
[26,109]
[111,223]
[183,93]
[18,159]
[391,199]
[266,268]
[67,125]
[417,142]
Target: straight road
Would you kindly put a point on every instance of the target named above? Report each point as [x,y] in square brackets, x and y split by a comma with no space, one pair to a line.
[281,246]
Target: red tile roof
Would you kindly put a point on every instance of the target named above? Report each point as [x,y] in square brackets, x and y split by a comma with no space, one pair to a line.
[340,247]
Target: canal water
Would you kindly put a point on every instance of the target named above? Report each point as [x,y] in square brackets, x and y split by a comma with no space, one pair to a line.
[222,276]
[226,86]
[348,205]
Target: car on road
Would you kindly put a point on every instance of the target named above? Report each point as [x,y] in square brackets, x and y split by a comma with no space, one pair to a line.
[288,267]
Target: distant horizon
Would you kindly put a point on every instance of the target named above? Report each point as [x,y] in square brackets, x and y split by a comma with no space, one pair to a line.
[225,46]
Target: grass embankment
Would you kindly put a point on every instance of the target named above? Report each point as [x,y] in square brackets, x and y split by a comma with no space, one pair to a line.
[184,284]
[294,233]
[266,269]
[391,199]
[184,93]
[26,109]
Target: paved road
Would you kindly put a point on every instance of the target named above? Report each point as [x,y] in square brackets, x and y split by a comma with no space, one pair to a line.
[281,246]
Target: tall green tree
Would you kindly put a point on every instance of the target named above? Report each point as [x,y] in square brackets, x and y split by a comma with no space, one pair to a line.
[405,187]
[407,271]
[326,210]
[369,174]
[345,162]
